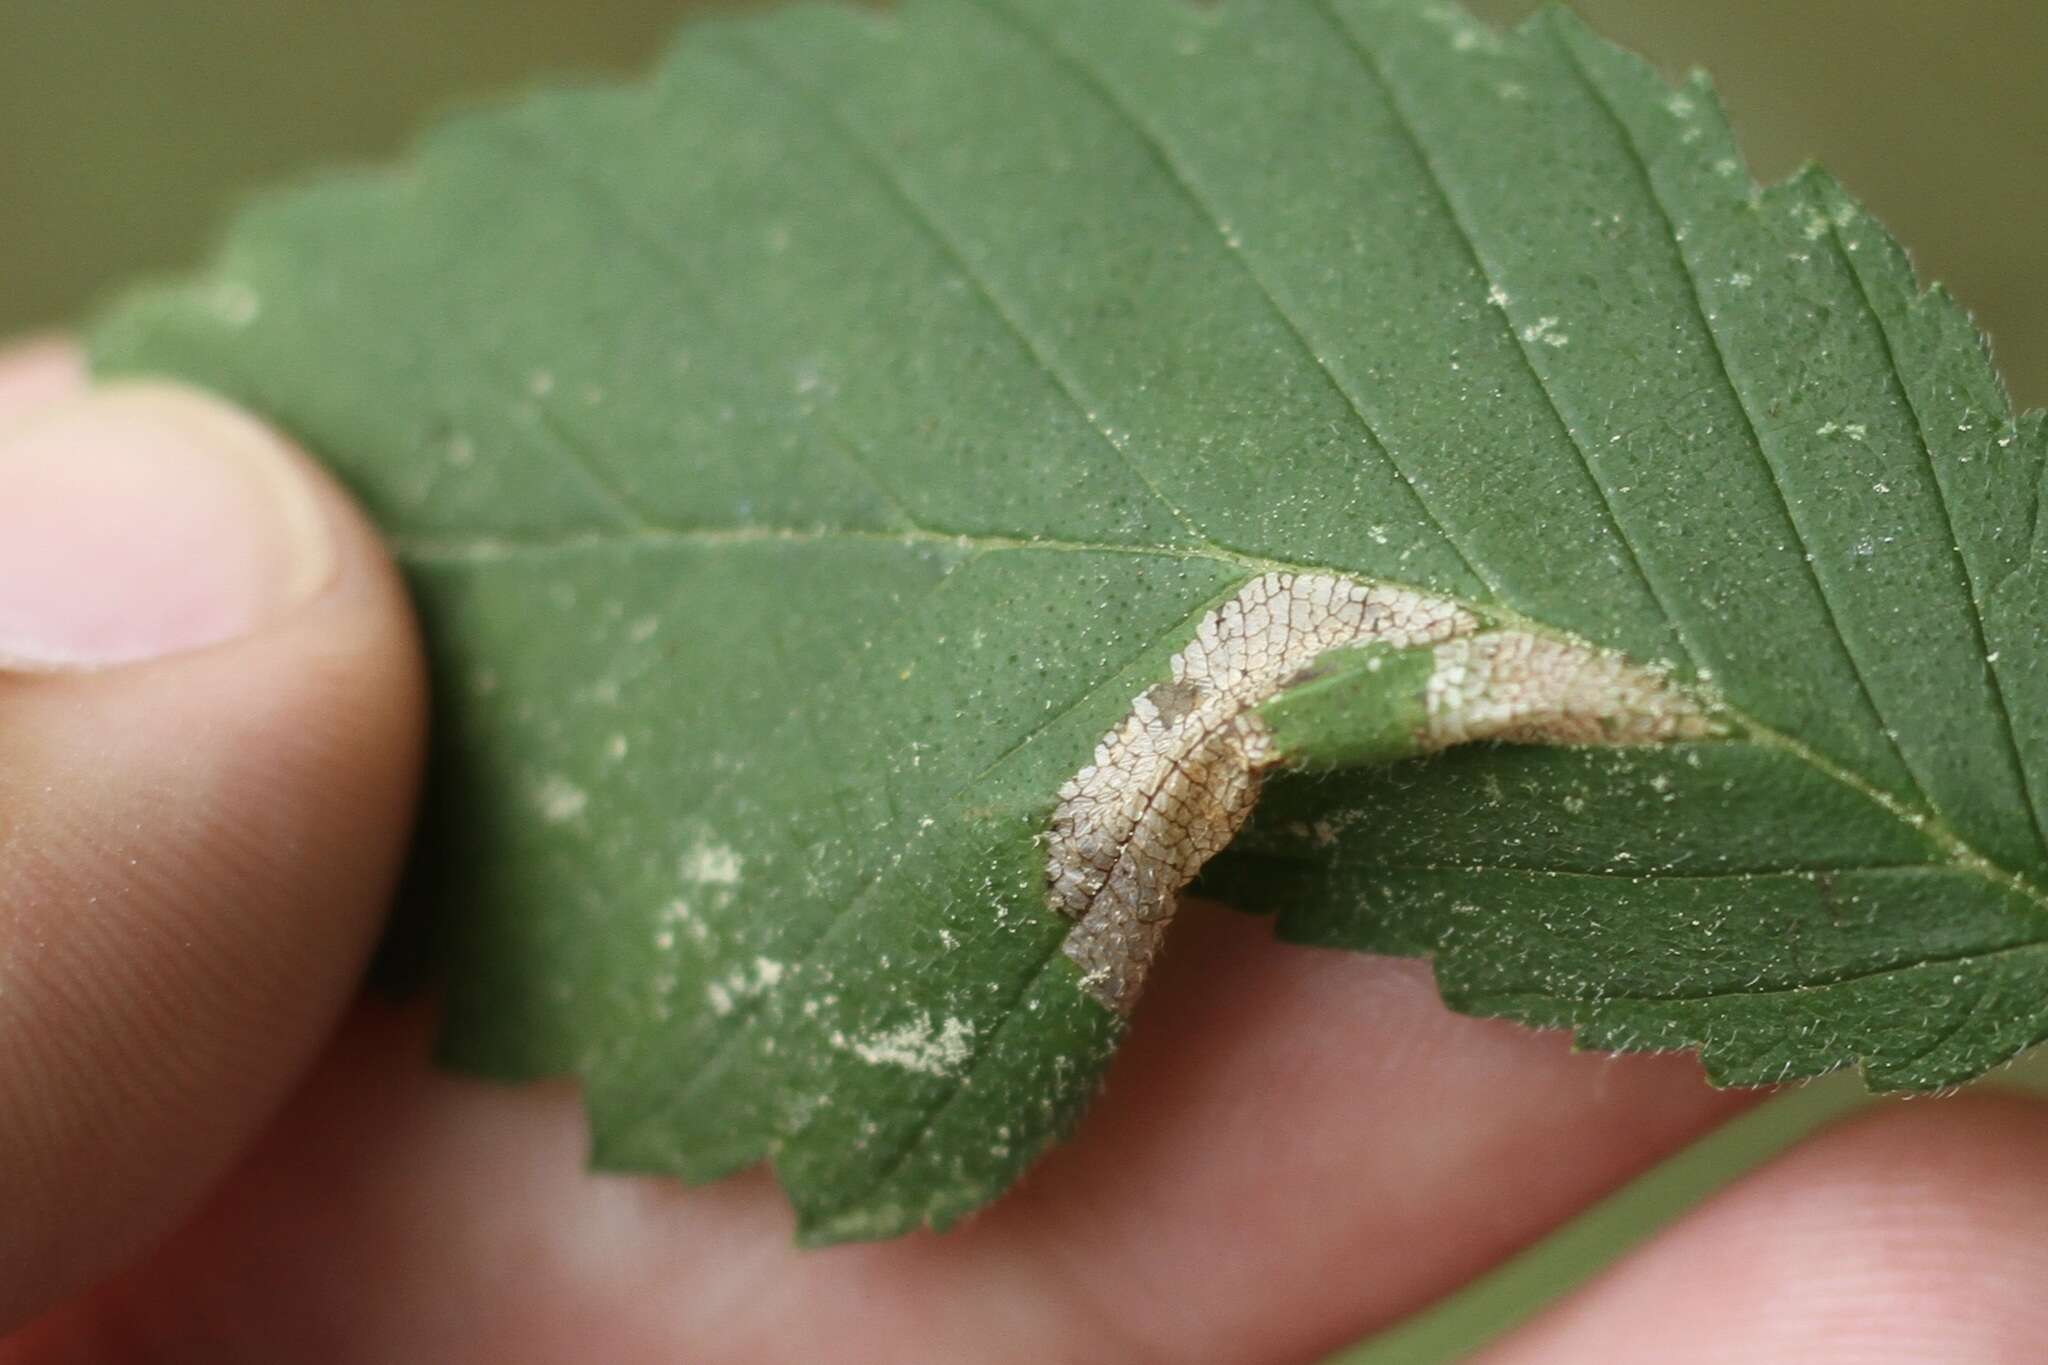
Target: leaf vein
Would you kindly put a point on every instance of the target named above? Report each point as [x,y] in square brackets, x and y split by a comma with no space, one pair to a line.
[731,1026]
[956,1085]
[663,255]
[1370,62]
[921,215]
[572,453]
[1184,183]
[1961,563]
[1944,1037]
[1675,875]
[1970,959]
[1685,268]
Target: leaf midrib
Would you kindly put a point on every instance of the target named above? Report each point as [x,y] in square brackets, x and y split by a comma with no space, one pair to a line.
[485,550]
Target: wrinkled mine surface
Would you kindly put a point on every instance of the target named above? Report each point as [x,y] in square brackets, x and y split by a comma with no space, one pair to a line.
[1176,779]
[1528,689]
[1178,776]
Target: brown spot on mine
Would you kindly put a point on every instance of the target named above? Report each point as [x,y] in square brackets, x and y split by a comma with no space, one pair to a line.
[1173,700]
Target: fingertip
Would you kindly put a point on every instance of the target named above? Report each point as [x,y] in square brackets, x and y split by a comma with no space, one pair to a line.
[147,519]
[38,371]
[1916,1231]
[199,842]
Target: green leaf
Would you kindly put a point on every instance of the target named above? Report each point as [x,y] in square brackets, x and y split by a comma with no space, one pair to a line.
[804,459]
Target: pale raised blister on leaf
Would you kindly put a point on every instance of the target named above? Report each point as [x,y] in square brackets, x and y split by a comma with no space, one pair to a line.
[1176,779]
[804,457]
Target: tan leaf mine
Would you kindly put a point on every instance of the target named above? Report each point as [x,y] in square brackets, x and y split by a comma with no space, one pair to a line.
[1176,779]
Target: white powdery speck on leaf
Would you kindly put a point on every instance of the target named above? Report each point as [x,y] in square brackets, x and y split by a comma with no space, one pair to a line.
[916,1046]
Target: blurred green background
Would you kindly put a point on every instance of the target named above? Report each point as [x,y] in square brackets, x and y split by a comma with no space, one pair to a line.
[132,127]
[129,129]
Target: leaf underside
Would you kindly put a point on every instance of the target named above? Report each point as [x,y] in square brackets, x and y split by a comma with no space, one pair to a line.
[802,458]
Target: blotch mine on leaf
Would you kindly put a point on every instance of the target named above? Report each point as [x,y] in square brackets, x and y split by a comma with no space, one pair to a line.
[1176,779]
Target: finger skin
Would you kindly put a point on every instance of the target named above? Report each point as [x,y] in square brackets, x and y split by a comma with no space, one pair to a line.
[1297,1147]
[194,856]
[1916,1234]
[35,373]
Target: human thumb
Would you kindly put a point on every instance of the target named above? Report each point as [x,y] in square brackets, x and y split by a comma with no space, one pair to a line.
[210,730]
